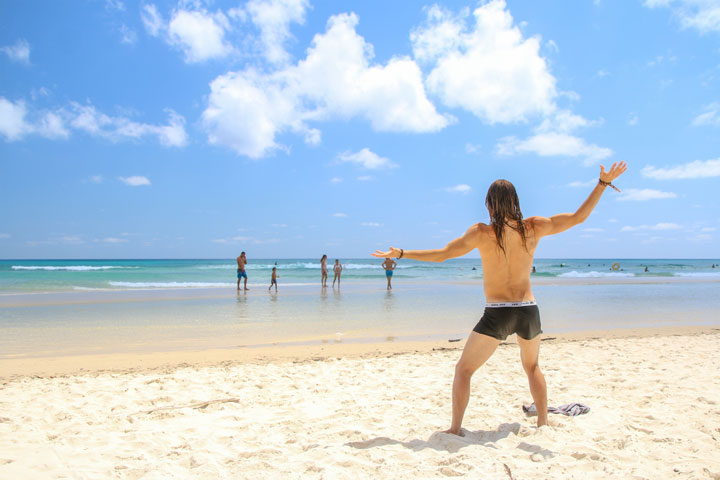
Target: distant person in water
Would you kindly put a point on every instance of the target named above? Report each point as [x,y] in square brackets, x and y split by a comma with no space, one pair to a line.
[337,268]
[534,271]
[241,262]
[389,265]
[323,269]
[273,279]
[507,247]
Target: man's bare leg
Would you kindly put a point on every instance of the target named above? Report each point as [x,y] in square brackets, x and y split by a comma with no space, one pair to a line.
[478,349]
[529,353]
[245,284]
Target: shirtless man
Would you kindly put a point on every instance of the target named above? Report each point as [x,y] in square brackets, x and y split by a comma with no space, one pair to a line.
[507,247]
[241,261]
[389,265]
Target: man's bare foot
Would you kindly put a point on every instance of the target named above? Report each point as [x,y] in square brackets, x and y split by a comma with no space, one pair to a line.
[247,288]
[451,431]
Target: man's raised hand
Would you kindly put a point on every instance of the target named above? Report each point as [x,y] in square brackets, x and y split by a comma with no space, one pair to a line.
[616,170]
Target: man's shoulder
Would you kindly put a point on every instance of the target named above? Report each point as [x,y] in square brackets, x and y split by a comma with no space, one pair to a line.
[480,229]
[537,221]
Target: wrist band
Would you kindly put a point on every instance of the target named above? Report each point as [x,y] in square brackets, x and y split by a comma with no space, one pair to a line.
[402,252]
[608,184]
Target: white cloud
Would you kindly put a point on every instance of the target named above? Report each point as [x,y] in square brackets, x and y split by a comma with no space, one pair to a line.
[20,52]
[273,19]
[135,181]
[708,229]
[488,68]
[702,15]
[201,35]
[641,195]
[57,124]
[367,159]
[462,188]
[696,169]
[579,184]
[593,230]
[114,240]
[364,178]
[336,180]
[96,179]
[153,22]
[711,116]
[602,73]
[656,227]
[633,119]
[701,237]
[87,119]
[278,225]
[472,148]
[51,125]
[337,80]
[12,119]
[127,35]
[114,5]
[63,239]
[339,215]
[4,235]
[553,137]
[371,224]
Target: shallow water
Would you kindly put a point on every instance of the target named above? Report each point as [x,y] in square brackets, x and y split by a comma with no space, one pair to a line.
[42,324]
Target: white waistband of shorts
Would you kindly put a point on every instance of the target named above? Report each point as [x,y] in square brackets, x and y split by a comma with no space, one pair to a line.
[527,303]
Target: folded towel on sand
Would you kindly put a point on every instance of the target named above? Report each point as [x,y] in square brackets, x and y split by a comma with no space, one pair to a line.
[571,409]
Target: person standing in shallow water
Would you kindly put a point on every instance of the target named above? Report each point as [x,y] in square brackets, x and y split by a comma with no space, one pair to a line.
[337,268]
[323,270]
[507,247]
[241,262]
[389,265]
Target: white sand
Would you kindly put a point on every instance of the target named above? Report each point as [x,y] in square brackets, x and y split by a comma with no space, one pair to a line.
[655,414]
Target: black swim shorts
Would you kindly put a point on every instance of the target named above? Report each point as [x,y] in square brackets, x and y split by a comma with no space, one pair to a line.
[503,319]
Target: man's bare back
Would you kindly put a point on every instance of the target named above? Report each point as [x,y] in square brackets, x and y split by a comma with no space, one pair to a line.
[507,247]
[506,274]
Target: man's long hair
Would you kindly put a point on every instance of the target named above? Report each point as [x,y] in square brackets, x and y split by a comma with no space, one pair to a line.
[504,206]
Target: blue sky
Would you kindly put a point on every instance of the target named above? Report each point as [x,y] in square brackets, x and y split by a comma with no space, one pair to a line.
[287,128]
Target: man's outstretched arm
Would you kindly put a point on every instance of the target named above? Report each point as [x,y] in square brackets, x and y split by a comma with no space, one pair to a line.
[561,222]
[456,248]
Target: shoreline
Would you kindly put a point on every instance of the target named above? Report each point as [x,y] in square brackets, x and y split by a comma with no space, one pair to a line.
[289,352]
[15,299]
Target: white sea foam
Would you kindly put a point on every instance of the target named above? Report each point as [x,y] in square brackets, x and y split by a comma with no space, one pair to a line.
[70,268]
[594,274]
[697,274]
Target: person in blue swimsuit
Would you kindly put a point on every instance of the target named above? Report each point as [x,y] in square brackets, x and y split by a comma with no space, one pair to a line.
[389,265]
[241,262]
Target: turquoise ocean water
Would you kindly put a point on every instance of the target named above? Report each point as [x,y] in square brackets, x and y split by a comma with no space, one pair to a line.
[72,275]
[58,307]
